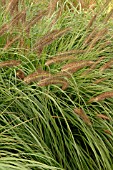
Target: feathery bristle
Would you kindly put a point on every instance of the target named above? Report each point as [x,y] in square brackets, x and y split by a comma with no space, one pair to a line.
[13,22]
[77,63]
[70,52]
[58,59]
[101,97]
[45,39]
[36,76]
[17,17]
[49,38]
[82,115]
[9,63]
[74,66]
[54,80]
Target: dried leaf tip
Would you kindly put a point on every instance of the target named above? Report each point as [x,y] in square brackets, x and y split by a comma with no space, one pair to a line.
[82,115]
[101,97]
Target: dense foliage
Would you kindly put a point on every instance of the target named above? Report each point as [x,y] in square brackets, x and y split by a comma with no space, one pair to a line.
[56,85]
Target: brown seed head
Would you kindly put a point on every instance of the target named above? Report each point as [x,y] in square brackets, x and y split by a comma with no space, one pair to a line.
[91,21]
[54,80]
[36,76]
[82,115]
[102,116]
[108,131]
[20,74]
[59,59]
[9,63]
[101,97]
[74,66]
[106,65]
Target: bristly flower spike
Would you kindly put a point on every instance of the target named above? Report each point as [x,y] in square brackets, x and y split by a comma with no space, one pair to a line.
[82,115]
[101,97]
[9,63]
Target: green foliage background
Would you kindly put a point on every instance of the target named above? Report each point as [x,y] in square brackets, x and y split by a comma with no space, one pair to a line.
[39,129]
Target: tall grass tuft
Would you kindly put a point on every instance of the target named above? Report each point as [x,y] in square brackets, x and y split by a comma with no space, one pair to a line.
[56,85]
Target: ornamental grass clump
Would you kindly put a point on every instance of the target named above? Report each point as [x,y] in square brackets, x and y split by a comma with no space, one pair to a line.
[56,85]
